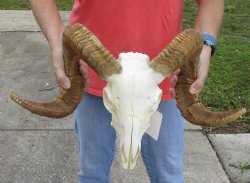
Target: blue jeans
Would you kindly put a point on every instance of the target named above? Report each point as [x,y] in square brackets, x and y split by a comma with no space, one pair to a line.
[96,141]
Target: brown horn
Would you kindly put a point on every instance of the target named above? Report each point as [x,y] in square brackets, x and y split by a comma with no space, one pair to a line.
[91,50]
[78,42]
[191,109]
[180,50]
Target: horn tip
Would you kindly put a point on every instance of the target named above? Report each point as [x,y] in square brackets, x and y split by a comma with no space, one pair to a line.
[13,95]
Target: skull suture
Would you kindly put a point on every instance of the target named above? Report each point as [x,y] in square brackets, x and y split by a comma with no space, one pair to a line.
[132,97]
[132,94]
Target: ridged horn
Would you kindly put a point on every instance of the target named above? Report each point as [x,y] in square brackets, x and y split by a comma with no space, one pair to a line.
[179,51]
[78,42]
[191,109]
[91,50]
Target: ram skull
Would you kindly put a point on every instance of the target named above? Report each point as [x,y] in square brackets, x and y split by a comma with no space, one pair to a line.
[131,94]
[132,97]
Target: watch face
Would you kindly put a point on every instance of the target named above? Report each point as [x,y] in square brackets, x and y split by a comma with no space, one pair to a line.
[208,43]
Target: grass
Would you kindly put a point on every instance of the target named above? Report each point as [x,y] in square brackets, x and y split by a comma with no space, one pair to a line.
[241,166]
[25,4]
[228,83]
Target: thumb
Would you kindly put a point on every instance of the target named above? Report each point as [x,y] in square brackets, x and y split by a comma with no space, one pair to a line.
[58,65]
[196,87]
[63,80]
[202,72]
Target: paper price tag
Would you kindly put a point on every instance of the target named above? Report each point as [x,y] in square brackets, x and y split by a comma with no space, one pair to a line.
[155,125]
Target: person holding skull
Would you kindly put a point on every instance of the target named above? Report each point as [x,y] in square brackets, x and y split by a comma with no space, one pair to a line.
[144,26]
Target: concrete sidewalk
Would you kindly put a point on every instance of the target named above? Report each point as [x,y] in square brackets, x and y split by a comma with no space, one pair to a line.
[36,149]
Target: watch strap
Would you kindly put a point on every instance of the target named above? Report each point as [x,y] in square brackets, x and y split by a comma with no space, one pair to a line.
[209,40]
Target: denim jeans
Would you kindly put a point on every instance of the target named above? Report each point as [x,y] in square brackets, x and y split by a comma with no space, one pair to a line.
[96,142]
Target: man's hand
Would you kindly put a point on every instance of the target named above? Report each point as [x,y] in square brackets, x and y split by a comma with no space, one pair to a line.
[58,64]
[84,71]
[202,73]
[173,81]
[50,22]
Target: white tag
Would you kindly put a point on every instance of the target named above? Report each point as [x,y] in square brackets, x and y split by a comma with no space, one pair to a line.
[155,125]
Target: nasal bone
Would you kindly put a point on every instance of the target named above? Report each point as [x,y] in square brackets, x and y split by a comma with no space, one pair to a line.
[131,141]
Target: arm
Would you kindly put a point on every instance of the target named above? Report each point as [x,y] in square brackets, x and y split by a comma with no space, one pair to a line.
[208,20]
[49,20]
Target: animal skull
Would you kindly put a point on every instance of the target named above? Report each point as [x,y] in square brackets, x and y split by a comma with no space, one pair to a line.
[132,94]
[132,97]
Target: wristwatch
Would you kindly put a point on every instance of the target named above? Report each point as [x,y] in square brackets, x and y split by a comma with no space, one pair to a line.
[210,41]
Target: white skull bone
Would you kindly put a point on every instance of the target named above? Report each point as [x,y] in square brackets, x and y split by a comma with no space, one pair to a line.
[132,97]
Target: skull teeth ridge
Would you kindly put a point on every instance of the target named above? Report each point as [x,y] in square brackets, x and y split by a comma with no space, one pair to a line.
[130,154]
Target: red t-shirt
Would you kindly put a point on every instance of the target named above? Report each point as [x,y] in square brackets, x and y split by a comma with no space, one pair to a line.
[145,26]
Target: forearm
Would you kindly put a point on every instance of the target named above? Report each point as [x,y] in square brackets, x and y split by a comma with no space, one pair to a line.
[210,16]
[208,21]
[49,20]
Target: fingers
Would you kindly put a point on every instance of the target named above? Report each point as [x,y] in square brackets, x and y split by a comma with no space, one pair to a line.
[58,64]
[178,71]
[173,82]
[84,71]
[196,87]
[199,83]
[62,79]
[172,92]
[203,69]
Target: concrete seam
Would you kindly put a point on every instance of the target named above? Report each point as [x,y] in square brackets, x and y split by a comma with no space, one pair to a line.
[193,130]
[217,155]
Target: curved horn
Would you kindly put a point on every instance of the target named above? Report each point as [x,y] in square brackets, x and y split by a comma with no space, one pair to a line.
[180,50]
[91,50]
[191,109]
[78,42]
